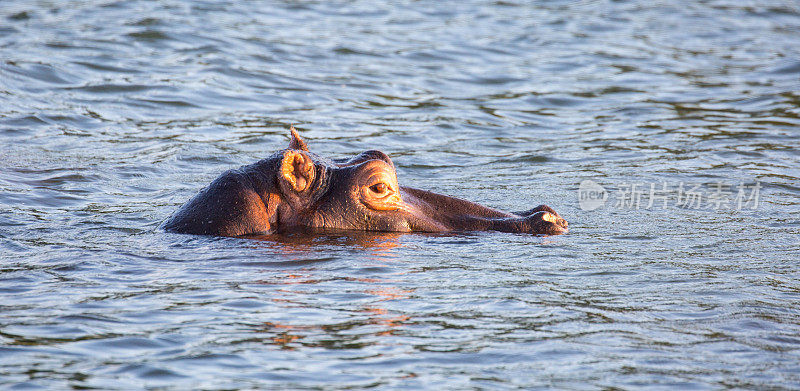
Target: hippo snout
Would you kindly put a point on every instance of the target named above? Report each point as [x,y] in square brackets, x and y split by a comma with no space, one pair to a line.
[546,223]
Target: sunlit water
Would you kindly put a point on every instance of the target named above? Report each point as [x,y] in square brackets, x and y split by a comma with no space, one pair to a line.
[113,113]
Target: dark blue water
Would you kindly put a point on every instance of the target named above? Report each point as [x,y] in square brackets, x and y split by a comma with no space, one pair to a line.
[681,118]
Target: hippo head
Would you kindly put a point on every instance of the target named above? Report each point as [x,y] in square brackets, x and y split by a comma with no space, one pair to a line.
[295,188]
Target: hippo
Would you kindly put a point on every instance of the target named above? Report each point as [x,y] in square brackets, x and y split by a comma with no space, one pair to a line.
[296,189]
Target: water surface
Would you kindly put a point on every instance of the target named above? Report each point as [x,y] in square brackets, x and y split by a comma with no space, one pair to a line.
[113,113]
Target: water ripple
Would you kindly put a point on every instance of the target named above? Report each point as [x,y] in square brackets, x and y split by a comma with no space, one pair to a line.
[114,113]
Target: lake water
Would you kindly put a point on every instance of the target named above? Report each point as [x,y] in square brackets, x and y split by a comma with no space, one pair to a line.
[680,118]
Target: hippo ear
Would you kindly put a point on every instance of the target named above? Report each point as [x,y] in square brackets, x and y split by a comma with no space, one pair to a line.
[297,171]
[297,142]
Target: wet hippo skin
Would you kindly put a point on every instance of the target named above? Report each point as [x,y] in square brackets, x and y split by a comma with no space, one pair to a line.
[296,189]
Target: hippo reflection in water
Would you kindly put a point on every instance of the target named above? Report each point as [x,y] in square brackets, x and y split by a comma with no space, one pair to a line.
[295,188]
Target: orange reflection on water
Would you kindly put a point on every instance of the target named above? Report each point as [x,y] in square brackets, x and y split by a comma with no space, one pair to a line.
[389,293]
[305,247]
[391,323]
[310,243]
[287,334]
[342,332]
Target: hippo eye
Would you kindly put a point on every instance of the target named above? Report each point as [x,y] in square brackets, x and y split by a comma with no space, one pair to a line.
[379,188]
